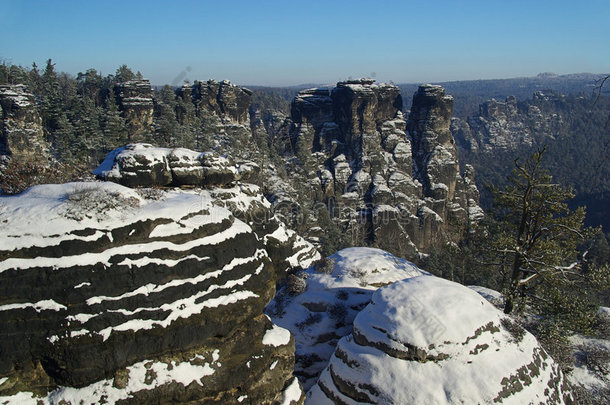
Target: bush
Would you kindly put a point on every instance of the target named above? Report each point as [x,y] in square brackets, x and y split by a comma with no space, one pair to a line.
[94,202]
[17,176]
[325,265]
[295,285]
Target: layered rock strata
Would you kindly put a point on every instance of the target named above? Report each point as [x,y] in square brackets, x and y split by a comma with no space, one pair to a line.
[429,340]
[143,165]
[400,190]
[319,305]
[121,295]
[136,102]
[21,135]
[224,99]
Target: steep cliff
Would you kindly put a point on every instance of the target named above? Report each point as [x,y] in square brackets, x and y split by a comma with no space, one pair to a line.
[22,134]
[402,191]
[226,100]
[508,125]
[136,102]
[115,294]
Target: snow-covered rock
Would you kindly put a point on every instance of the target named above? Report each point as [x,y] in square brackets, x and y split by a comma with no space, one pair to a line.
[337,288]
[148,296]
[144,165]
[426,340]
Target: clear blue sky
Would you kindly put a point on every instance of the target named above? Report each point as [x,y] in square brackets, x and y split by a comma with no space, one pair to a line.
[310,41]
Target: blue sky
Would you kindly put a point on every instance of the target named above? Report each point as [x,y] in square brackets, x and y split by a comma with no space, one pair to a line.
[310,41]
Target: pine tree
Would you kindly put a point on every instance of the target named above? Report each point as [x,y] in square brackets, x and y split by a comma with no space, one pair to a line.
[538,237]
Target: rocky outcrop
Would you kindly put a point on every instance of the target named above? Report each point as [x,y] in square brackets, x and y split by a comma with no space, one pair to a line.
[156,296]
[136,102]
[401,192]
[144,165]
[319,305]
[226,100]
[21,126]
[508,125]
[452,196]
[429,340]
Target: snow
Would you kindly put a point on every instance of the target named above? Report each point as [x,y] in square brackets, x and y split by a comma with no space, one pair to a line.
[215,355]
[581,374]
[37,217]
[494,297]
[104,257]
[276,336]
[83,284]
[183,373]
[44,305]
[331,301]
[110,167]
[293,393]
[182,308]
[469,355]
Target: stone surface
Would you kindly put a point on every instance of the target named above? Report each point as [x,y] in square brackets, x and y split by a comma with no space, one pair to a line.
[429,340]
[21,135]
[145,165]
[143,296]
[507,125]
[226,100]
[136,102]
[348,150]
[336,289]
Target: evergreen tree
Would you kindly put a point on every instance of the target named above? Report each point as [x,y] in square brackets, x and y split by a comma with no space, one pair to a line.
[537,243]
[123,74]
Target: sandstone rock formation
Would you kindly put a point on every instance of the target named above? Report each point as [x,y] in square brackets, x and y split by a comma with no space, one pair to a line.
[226,100]
[402,191]
[333,292]
[21,126]
[145,165]
[506,125]
[144,296]
[429,340]
[136,102]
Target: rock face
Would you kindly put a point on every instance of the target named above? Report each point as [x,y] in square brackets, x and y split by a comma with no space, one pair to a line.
[226,100]
[400,191]
[136,102]
[506,125]
[452,196]
[22,135]
[147,296]
[429,340]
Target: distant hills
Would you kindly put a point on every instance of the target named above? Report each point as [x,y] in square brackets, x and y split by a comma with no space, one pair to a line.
[468,94]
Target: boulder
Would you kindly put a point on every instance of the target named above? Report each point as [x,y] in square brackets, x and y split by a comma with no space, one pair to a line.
[429,340]
[336,289]
[143,296]
[143,165]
